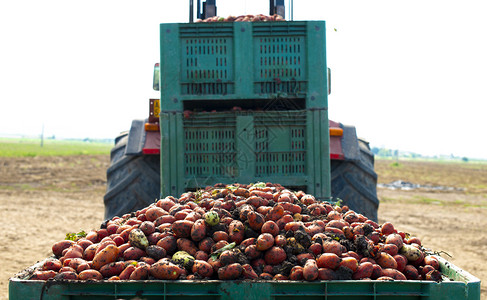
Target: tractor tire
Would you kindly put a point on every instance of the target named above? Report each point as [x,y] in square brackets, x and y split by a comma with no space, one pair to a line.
[133,181]
[355,182]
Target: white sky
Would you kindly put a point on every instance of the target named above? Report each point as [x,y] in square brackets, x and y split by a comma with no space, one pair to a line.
[410,75]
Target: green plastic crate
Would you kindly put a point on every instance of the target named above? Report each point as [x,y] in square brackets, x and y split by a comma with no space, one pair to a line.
[243,60]
[460,285]
[286,147]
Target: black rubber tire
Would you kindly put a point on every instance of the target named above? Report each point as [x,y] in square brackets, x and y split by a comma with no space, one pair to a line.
[133,182]
[355,183]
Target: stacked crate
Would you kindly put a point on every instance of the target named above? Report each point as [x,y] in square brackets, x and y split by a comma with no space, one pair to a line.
[244,102]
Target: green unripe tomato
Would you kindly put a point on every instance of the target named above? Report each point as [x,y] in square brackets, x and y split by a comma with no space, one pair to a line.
[183,258]
[211,218]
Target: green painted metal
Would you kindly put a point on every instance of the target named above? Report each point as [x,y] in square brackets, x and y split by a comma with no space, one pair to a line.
[243,55]
[278,66]
[286,147]
[171,154]
[243,60]
[463,287]
[244,150]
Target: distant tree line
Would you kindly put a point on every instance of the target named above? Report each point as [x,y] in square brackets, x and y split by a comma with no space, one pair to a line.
[385,152]
[91,140]
[395,153]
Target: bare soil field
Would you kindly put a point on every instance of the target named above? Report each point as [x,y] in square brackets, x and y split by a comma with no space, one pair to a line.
[43,198]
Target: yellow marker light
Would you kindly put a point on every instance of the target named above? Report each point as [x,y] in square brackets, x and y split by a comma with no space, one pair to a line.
[151,127]
[336,131]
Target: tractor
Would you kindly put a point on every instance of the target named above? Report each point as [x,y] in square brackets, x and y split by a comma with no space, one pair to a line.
[240,102]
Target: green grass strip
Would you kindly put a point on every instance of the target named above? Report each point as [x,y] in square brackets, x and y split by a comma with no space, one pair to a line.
[10,147]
